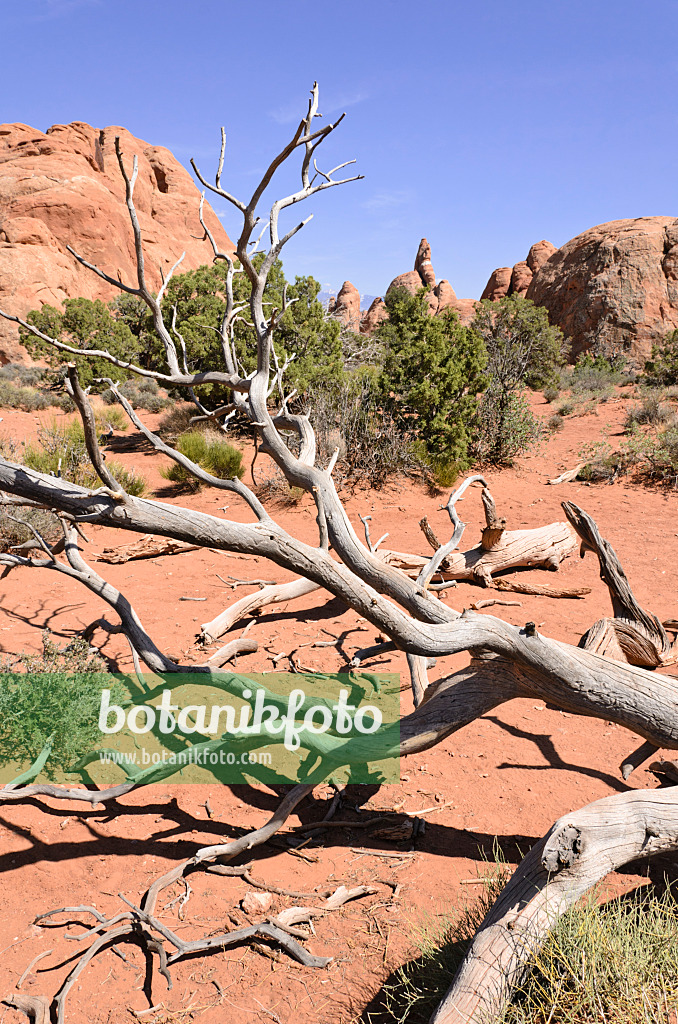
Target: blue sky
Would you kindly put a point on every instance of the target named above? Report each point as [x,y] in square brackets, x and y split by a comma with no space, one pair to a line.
[484,127]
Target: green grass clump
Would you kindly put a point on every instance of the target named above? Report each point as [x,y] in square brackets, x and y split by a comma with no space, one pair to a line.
[210,451]
[615,962]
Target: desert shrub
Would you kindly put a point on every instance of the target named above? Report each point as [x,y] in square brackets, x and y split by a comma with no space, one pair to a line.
[604,468]
[551,393]
[611,962]
[597,375]
[141,393]
[176,420]
[505,427]
[662,367]
[654,453]
[523,349]
[61,451]
[26,376]
[131,481]
[53,698]
[651,411]
[412,993]
[15,396]
[111,418]
[433,369]
[209,450]
[555,422]
[13,532]
[347,414]
[566,408]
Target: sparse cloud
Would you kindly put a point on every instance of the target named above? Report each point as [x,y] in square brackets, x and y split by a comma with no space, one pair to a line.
[382,201]
[50,10]
[293,112]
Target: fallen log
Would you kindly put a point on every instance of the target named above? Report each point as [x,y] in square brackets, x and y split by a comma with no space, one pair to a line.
[147,547]
[544,547]
[578,851]
[633,634]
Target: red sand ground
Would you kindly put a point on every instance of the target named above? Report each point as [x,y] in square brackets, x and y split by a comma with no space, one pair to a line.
[509,775]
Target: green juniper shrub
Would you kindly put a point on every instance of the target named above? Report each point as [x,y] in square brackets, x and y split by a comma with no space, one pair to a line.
[433,369]
[303,332]
[83,323]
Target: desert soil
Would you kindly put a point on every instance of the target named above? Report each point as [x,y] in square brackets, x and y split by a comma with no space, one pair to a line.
[509,775]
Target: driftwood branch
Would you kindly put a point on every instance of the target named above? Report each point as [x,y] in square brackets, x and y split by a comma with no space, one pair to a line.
[578,851]
[634,634]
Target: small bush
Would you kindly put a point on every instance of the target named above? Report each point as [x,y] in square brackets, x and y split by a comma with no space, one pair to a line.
[551,393]
[176,421]
[26,376]
[597,375]
[566,408]
[61,451]
[347,414]
[112,418]
[652,411]
[13,533]
[14,396]
[555,422]
[54,698]
[506,428]
[655,453]
[615,962]
[141,393]
[662,368]
[210,451]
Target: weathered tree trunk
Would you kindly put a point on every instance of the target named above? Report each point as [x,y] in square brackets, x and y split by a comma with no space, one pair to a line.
[544,547]
[633,635]
[579,850]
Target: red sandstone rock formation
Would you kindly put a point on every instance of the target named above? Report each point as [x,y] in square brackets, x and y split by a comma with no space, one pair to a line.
[615,286]
[539,253]
[439,298]
[498,285]
[521,277]
[346,306]
[423,265]
[63,187]
[375,315]
[517,279]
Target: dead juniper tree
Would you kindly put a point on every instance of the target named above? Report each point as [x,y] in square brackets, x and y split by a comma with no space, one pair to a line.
[396,593]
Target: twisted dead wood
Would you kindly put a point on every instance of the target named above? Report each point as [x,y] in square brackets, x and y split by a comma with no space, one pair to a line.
[634,634]
[578,851]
